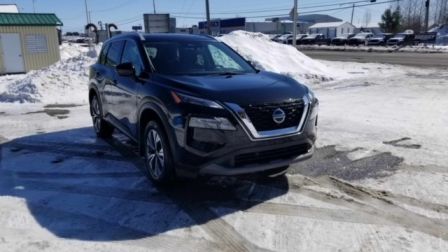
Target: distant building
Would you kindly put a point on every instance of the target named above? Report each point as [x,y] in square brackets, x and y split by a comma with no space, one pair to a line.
[9,8]
[303,22]
[159,23]
[28,41]
[223,26]
[277,25]
[332,29]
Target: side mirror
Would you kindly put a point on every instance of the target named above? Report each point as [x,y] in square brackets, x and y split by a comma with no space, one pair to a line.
[125,69]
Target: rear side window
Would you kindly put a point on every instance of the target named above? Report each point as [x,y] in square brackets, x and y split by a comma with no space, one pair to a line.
[103,55]
[114,53]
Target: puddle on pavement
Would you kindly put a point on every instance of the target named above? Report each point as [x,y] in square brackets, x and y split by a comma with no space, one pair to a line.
[331,162]
[58,113]
[403,143]
[50,106]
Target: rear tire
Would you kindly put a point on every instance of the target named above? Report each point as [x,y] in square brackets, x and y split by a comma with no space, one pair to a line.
[102,128]
[157,152]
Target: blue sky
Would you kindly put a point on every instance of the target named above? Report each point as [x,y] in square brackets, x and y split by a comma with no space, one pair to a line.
[126,13]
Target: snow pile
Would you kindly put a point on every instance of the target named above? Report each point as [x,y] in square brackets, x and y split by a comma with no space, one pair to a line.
[279,58]
[63,82]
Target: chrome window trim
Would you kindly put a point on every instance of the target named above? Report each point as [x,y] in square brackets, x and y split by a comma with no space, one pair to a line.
[254,135]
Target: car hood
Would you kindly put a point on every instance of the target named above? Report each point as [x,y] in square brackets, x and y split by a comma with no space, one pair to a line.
[262,87]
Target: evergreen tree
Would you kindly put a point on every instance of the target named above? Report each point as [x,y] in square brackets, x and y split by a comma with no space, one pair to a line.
[391,21]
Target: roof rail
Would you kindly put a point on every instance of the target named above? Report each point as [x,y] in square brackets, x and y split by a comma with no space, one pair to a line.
[141,36]
[208,36]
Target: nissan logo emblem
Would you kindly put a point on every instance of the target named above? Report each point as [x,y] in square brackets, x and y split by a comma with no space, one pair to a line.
[279,116]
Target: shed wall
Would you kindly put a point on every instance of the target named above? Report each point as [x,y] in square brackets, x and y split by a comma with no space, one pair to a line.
[34,60]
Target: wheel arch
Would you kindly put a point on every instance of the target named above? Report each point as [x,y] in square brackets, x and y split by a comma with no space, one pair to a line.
[151,111]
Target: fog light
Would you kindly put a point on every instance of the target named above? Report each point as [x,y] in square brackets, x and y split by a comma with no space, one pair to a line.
[219,123]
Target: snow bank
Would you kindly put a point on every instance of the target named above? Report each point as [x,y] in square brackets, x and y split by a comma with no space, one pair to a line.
[63,82]
[66,81]
[279,58]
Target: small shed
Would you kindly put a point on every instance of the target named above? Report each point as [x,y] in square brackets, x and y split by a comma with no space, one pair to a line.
[332,29]
[28,41]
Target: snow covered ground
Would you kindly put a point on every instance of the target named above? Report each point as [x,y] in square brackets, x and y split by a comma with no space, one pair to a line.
[379,181]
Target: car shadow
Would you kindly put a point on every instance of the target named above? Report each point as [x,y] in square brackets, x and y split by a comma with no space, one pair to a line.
[79,187]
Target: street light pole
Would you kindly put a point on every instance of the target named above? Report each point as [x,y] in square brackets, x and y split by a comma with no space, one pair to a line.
[34,7]
[87,12]
[353,13]
[207,7]
[427,3]
[294,28]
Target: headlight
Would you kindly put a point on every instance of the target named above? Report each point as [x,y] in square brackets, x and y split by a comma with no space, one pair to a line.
[219,123]
[182,98]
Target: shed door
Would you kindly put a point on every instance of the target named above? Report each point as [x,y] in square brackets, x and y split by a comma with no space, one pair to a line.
[12,52]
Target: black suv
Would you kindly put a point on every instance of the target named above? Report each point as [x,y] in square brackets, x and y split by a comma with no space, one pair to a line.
[196,107]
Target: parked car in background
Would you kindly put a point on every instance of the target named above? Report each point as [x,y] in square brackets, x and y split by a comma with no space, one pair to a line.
[283,38]
[360,39]
[315,39]
[401,39]
[341,40]
[299,37]
[379,39]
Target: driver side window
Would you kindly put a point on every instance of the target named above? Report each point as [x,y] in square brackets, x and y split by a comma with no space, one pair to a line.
[131,54]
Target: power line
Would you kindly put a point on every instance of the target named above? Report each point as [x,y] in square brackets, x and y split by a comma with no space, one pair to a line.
[271,9]
[326,10]
[115,7]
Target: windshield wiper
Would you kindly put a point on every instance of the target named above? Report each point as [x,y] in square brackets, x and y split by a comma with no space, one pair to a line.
[228,73]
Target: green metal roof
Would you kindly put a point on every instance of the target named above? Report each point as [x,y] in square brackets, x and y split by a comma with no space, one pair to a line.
[29,19]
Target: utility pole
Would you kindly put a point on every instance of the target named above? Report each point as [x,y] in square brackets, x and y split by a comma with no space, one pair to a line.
[207,7]
[34,6]
[353,13]
[154,5]
[427,3]
[294,23]
[87,12]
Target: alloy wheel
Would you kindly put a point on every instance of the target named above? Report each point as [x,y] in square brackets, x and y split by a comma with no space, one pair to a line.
[96,114]
[155,156]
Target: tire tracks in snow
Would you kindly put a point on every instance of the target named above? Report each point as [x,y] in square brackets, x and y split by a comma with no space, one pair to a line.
[374,203]
[213,224]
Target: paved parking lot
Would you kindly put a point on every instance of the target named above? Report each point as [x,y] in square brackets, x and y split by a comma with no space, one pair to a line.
[439,60]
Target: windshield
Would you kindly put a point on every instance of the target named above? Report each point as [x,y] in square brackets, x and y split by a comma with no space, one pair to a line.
[400,36]
[361,35]
[312,36]
[196,58]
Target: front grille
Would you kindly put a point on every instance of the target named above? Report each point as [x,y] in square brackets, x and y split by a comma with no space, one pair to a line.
[261,115]
[263,157]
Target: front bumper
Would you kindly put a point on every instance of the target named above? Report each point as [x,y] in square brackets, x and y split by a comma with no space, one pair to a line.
[221,170]
[236,153]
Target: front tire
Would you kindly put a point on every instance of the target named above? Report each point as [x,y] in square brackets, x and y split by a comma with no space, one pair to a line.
[102,128]
[158,157]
